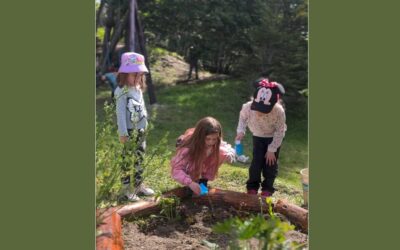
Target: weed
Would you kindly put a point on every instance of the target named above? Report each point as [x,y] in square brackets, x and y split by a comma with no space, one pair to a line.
[169,207]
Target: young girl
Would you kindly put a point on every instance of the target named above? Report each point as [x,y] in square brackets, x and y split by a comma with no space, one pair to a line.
[132,120]
[200,153]
[266,119]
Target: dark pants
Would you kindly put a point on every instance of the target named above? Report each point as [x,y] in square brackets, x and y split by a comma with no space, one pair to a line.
[259,165]
[137,150]
[193,65]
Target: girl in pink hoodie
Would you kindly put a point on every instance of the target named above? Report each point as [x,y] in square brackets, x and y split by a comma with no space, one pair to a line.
[200,152]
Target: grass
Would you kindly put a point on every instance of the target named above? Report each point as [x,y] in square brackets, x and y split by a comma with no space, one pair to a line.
[180,107]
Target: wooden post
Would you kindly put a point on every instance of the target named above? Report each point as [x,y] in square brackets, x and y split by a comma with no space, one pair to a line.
[142,46]
[132,26]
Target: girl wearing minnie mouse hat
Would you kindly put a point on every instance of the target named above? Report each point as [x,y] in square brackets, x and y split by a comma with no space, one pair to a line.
[266,119]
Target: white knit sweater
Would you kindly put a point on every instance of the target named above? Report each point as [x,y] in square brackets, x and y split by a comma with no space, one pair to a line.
[272,124]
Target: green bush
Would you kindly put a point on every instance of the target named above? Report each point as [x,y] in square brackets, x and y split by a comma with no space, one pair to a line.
[109,159]
[270,234]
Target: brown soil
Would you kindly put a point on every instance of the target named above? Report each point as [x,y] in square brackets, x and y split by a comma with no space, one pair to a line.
[191,230]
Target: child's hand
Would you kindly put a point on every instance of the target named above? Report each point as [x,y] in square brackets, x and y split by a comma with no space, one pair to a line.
[239,136]
[195,187]
[271,159]
[123,139]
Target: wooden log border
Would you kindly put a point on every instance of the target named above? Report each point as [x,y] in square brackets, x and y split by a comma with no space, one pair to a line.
[110,227]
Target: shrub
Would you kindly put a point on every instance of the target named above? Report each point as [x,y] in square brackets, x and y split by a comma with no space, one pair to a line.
[270,234]
[109,159]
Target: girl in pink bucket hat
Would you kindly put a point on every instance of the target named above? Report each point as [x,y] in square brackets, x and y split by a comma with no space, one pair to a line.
[132,122]
[266,119]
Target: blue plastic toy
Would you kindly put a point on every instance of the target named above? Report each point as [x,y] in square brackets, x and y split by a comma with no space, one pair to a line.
[238,148]
[203,189]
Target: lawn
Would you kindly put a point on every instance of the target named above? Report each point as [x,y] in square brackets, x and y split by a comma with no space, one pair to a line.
[180,107]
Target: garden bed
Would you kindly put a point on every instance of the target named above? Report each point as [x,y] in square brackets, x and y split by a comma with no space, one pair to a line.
[155,224]
[189,228]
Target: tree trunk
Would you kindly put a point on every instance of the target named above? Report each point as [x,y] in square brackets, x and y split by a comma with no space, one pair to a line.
[142,46]
[127,36]
[106,40]
[99,13]
[117,33]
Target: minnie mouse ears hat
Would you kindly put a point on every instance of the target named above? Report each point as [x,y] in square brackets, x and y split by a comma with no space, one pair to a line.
[266,95]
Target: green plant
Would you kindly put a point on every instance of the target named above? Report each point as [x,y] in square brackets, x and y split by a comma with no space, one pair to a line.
[169,207]
[270,234]
[109,159]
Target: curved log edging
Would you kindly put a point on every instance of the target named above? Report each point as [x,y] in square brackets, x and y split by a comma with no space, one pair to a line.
[295,214]
[110,229]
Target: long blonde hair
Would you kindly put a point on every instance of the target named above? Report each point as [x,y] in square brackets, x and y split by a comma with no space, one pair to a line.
[197,146]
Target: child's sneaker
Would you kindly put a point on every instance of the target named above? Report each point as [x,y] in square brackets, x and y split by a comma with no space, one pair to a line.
[132,197]
[128,194]
[266,193]
[145,190]
[243,158]
[252,191]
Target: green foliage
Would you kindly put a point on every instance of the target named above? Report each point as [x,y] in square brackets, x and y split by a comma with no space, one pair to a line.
[270,233]
[109,159]
[235,37]
[100,33]
[169,207]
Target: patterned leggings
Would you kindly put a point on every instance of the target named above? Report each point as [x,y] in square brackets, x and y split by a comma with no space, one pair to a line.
[136,149]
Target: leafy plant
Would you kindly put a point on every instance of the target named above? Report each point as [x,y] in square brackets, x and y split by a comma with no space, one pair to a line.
[109,159]
[169,207]
[270,234]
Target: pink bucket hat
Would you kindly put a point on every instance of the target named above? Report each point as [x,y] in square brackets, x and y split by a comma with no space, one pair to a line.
[132,62]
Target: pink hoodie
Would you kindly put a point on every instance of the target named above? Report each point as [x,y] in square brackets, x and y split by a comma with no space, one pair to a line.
[181,167]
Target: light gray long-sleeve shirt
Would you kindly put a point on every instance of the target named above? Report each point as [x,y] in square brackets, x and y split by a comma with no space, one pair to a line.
[130,108]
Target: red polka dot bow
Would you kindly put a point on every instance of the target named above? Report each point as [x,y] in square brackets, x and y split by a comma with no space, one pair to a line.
[265,83]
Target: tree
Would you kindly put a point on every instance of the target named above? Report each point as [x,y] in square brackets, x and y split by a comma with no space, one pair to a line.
[121,20]
[236,37]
